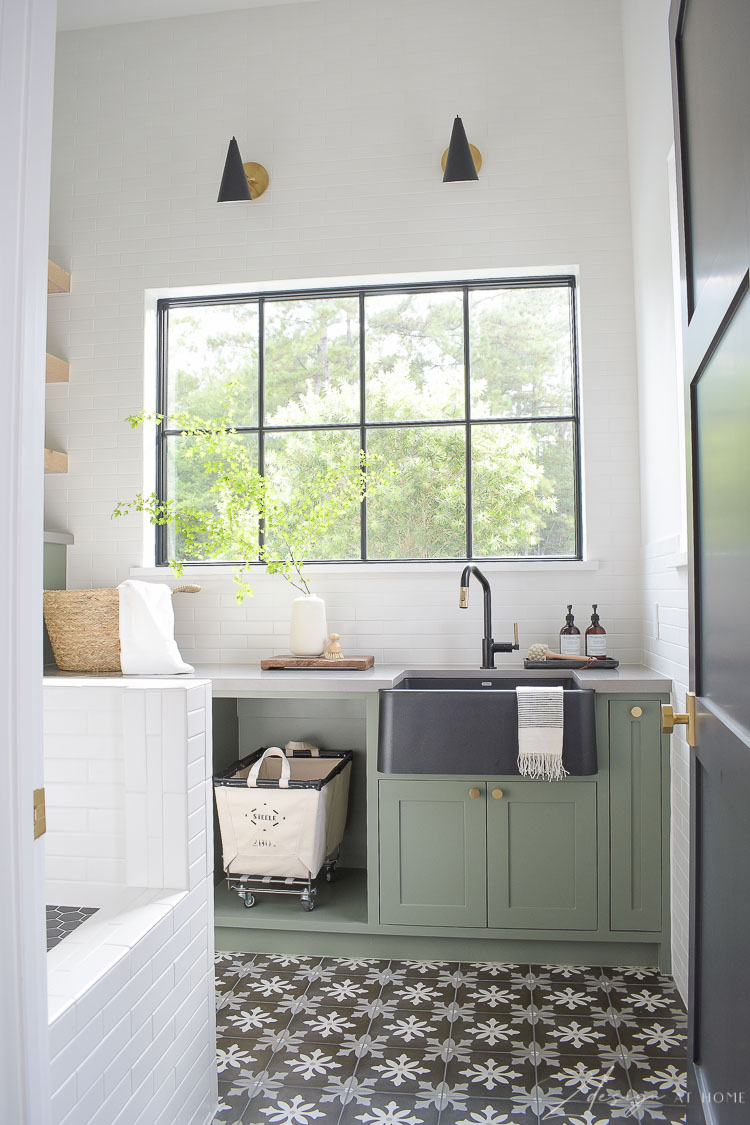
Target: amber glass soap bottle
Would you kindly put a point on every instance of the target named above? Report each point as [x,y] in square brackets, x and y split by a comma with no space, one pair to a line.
[570,636]
[596,638]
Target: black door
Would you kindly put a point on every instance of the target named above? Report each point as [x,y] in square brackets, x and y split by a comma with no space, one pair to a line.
[711,83]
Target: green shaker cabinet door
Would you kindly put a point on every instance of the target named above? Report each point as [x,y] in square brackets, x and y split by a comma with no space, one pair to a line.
[635,814]
[541,855]
[433,853]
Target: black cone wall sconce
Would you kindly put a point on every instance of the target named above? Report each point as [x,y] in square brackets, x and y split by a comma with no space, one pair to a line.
[461,161]
[241,181]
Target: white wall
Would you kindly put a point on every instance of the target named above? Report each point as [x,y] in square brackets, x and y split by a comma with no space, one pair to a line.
[349,104]
[27,33]
[665,626]
[131,992]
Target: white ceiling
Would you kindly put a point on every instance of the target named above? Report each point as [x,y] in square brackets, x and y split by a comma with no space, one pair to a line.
[98,13]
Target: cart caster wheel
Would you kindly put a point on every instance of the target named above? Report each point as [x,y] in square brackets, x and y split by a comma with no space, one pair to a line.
[307,903]
[330,874]
[249,899]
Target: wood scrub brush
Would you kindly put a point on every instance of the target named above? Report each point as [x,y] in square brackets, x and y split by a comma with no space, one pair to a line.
[334,650]
[544,652]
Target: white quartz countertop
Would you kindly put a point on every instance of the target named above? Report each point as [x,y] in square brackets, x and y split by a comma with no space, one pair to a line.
[229,679]
[235,679]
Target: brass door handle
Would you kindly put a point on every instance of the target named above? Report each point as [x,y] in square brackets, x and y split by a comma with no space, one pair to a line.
[669,720]
[474,793]
[497,794]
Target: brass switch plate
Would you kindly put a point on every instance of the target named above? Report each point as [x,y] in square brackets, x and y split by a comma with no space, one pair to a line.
[40,814]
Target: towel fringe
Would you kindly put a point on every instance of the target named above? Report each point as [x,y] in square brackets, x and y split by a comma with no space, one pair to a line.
[544,767]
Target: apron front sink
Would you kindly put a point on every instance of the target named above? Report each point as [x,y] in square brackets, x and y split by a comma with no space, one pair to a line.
[468,724]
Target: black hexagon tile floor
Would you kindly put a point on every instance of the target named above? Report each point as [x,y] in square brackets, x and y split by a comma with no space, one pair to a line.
[62,920]
[355,1041]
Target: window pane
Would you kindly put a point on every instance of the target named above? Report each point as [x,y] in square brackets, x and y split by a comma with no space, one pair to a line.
[311,361]
[307,469]
[523,484]
[197,488]
[210,347]
[521,356]
[414,349]
[419,512]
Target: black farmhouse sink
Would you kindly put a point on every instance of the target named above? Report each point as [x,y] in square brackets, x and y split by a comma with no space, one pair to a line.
[468,724]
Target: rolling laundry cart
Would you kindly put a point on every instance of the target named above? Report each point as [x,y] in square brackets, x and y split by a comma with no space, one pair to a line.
[282,815]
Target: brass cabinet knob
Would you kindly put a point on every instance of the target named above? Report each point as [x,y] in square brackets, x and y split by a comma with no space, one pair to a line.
[636,712]
[474,793]
[497,794]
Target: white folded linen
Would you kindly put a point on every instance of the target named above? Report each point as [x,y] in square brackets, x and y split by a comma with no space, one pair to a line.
[147,644]
[540,732]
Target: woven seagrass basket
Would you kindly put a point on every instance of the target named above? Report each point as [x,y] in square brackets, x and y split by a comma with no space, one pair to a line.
[84,628]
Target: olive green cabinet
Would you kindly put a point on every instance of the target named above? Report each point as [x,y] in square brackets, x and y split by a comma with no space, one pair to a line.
[433,853]
[542,855]
[636,795]
[456,853]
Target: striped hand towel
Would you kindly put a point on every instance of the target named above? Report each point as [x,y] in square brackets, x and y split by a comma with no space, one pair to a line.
[540,732]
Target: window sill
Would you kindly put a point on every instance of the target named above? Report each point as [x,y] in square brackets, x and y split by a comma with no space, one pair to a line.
[222,571]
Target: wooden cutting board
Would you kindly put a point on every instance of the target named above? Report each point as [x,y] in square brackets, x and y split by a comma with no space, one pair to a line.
[347,663]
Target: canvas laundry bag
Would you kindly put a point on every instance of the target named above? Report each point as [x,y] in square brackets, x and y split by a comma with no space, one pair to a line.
[292,821]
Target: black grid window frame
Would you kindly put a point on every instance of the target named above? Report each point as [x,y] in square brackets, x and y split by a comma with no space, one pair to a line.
[363,426]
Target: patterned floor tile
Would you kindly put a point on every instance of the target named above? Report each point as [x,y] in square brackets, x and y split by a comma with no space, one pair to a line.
[293,1107]
[360,1041]
[344,991]
[649,1003]
[424,995]
[355,966]
[408,1029]
[581,1078]
[656,1038]
[499,1031]
[494,995]
[236,1057]
[496,970]
[401,1069]
[490,1075]
[313,1065]
[329,1025]
[576,1032]
[667,1079]
[571,974]
[388,1109]
[249,1021]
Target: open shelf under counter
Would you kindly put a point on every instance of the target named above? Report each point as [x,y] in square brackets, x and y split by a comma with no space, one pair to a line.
[340,906]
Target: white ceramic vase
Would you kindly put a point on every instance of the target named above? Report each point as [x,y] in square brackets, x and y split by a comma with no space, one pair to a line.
[308,631]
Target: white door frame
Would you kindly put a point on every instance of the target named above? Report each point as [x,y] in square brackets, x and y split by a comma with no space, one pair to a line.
[27,41]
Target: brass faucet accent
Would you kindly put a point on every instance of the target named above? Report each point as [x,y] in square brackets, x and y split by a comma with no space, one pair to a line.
[489,646]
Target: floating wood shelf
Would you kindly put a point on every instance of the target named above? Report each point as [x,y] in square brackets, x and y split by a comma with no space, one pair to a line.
[55,462]
[58,370]
[58,279]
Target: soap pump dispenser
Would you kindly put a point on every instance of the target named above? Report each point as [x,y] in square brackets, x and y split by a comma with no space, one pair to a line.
[570,636]
[596,638]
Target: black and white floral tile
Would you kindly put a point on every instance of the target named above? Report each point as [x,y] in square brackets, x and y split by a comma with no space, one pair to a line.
[62,920]
[356,1041]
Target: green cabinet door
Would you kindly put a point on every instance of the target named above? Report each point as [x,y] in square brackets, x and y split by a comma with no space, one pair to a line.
[433,853]
[542,855]
[635,796]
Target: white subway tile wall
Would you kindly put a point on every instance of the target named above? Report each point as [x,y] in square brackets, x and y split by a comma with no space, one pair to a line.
[666,650]
[348,107]
[132,1024]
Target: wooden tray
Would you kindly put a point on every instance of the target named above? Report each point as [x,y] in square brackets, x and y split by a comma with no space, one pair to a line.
[550,665]
[347,663]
